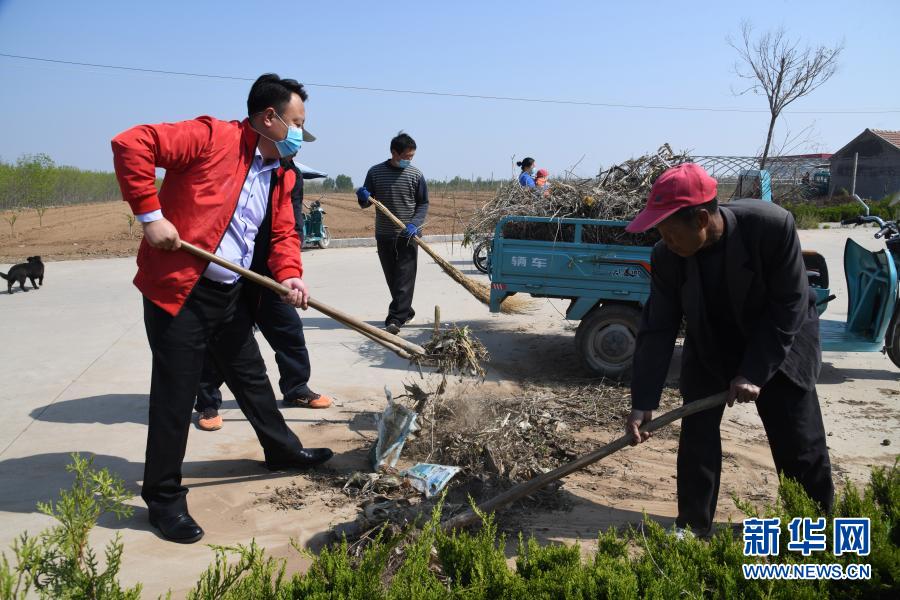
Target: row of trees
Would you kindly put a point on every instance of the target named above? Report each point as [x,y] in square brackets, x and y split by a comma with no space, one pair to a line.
[343,183]
[34,181]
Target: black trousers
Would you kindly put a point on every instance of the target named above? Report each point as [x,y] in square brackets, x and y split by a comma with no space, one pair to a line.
[399,260]
[213,316]
[283,329]
[793,423]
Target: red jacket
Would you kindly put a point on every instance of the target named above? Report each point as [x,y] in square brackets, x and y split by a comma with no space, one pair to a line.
[206,162]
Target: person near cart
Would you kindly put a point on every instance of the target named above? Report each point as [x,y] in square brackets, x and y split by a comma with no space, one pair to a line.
[526,176]
[401,187]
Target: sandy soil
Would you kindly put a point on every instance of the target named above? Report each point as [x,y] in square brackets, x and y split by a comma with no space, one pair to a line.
[101,230]
[617,491]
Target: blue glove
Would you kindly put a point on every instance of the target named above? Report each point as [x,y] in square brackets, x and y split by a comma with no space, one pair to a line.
[362,196]
[411,230]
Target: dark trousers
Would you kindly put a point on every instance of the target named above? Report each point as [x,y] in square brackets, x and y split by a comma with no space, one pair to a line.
[399,260]
[214,317]
[283,329]
[793,423]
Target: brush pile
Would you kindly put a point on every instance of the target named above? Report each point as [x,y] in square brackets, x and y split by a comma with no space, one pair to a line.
[455,350]
[616,194]
[513,439]
[497,441]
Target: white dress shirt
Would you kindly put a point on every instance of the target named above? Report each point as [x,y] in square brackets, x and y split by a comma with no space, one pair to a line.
[239,239]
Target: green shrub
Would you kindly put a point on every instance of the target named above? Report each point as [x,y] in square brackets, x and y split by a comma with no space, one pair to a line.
[428,563]
[59,562]
[808,216]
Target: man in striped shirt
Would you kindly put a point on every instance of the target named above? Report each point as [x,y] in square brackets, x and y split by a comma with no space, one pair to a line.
[401,188]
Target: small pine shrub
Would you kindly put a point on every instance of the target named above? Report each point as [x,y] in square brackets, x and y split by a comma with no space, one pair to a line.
[428,563]
[59,562]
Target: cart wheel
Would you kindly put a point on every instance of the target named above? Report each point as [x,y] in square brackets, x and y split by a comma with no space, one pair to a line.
[606,339]
[892,338]
[326,239]
[481,256]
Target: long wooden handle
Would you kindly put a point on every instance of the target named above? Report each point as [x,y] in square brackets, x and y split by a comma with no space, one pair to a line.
[390,341]
[532,485]
[386,212]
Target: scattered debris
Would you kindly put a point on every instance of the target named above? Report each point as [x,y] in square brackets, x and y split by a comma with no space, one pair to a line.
[388,481]
[492,443]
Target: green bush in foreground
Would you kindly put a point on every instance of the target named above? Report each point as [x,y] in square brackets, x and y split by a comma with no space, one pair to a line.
[60,563]
[642,562]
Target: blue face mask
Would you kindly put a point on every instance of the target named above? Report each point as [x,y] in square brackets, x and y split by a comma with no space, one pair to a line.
[533,172]
[291,143]
[403,163]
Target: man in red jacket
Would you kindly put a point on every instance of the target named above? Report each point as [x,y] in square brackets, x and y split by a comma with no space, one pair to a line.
[223,178]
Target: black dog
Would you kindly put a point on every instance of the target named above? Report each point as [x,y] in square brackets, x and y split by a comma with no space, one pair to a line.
[33,270]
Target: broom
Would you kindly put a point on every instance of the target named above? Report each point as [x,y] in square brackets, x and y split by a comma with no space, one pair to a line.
[480,291]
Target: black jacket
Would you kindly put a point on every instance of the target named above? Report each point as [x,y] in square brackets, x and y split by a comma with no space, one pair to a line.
[770,296]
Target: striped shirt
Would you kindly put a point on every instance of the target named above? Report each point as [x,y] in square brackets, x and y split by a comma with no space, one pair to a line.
[402,191]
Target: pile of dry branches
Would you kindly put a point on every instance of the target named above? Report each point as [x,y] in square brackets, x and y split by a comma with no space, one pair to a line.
[455,350]
[617,194]
[497,442]
[516,438]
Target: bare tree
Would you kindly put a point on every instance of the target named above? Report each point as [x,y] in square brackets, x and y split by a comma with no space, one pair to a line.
[779,68]
[804,140]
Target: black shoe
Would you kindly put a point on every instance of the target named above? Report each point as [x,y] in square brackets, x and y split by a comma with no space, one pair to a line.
[392,328]
[306,458]
[182,528]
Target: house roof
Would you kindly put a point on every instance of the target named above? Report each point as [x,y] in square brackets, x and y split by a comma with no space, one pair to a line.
[891,137]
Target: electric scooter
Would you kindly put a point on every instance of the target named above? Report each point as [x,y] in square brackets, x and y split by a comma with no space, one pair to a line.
[873,308]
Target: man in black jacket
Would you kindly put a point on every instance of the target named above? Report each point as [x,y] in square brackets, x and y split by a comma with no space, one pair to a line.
[736,273]
[280,325]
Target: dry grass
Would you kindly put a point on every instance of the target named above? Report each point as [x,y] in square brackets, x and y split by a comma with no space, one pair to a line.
[455,351]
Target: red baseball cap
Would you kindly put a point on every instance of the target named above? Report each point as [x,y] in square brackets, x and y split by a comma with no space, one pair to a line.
[684,185]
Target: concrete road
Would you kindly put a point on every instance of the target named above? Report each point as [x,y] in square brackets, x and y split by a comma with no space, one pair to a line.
[74,367]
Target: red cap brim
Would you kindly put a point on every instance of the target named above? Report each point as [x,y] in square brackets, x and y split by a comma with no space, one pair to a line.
[649,218]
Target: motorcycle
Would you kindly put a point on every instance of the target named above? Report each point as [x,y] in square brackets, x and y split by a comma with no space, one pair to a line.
[873,308]
[481,255]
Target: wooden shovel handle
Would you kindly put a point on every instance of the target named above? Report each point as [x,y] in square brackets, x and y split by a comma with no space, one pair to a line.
[386,212]
[392,342]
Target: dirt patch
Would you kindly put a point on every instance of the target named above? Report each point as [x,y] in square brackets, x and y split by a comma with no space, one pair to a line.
[497,441]
[102,230]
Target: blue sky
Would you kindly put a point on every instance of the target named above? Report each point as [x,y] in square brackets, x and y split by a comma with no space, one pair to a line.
[623,52]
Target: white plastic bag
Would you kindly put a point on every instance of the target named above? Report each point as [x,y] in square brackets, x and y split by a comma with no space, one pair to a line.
[394,426]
